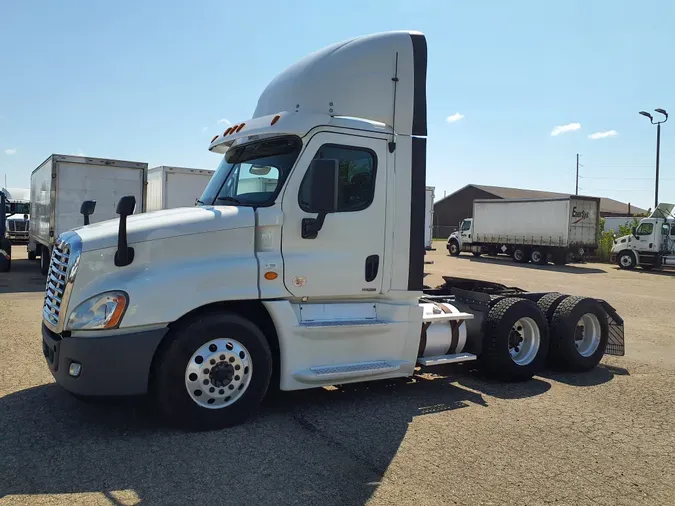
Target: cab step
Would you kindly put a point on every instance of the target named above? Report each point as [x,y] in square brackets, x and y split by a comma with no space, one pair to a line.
[321,374]
[454,358]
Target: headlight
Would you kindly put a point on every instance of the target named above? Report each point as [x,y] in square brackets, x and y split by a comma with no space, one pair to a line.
[103,311]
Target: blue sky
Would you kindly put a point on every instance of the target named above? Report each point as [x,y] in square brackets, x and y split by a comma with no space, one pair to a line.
[150,81]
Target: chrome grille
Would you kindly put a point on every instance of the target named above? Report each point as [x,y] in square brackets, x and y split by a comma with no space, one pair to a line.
[56,282]
[17,225]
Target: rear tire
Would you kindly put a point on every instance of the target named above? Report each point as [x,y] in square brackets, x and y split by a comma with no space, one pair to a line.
[515,342]
[5,255]
[549,303]
[579,333]
[45,258]
[453,248]
[538,256]
[520,255]
[224,340]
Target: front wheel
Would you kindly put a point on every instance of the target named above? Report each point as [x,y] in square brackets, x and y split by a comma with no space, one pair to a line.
[515,343]
[626,260]
[453,248]
[213,373]
[45,257]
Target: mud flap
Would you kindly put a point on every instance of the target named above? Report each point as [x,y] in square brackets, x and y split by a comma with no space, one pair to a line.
[615,341]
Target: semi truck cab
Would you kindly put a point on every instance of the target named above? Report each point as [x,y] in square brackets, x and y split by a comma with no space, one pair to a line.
[313,278]
[651,243]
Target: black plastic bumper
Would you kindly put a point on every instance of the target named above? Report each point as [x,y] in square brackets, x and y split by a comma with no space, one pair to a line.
[110,366]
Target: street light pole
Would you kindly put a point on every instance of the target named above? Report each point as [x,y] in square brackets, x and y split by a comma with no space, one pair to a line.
[658,147]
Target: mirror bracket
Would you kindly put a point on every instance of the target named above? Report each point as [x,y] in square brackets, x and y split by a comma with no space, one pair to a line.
[312,226]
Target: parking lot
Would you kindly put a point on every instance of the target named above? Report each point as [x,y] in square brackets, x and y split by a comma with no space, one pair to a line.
[605,437]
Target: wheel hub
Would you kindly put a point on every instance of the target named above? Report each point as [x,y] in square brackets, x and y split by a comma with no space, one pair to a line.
[524,340]
[218,373]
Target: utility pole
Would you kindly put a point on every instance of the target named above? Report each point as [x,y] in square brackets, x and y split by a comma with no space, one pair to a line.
[658,148]
[576,191]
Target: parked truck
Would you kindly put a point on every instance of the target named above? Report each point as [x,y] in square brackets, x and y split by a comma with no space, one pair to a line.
[651,243]
[172,187]
[429,218]
[558,229]
[60,185]
[18,214]
[5,243]
[313,280]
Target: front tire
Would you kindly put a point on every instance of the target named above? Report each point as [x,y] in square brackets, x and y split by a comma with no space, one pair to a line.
[515,342]
[626,261]
[453,248]
[45,258]
[213,372]
[579,334]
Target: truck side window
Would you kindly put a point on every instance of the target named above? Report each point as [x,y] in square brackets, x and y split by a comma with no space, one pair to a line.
[466,226]
[357,169]
[645,229]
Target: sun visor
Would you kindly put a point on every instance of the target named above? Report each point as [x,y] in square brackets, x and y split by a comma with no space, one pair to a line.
[371,77]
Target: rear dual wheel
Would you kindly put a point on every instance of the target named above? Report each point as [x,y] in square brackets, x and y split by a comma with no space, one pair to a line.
[515,341]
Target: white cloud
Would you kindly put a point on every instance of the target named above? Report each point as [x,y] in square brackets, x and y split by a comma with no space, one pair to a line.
[602,135]
[11,151]
[226,121]
[455,117]
[204,129]
[570,127]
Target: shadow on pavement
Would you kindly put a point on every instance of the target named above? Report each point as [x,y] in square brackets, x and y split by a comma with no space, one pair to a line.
[24,277]
[601,374]
[315,446]
[517,390]
[507,261]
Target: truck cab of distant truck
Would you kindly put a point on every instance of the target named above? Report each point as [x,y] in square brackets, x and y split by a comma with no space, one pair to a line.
[651,243]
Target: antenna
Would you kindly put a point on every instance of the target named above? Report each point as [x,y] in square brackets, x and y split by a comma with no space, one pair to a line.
[392,144]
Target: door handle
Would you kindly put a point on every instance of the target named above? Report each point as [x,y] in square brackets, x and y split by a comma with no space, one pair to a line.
[372,266]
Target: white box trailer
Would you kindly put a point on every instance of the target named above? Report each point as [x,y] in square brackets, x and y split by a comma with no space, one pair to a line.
[62,182]
[429,218]
[172,187]
[562,228]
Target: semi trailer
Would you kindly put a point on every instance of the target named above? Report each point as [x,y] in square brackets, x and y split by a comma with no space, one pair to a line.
[314,278]
[172,187]
[558,229]
[60,185]
[5,243]
[651,243]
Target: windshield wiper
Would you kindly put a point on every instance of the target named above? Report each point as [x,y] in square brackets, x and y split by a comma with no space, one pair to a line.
[229,199]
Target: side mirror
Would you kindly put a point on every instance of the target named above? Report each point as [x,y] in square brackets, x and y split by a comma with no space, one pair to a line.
[323,178]
[87,209]
[124,255]
[633,231]
[126,205]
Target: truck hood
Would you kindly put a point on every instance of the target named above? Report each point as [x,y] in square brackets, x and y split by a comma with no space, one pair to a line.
[18,217]
[165,224]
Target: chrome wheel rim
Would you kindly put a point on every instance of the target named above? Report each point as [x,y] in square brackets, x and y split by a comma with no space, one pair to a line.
[536,256]
[587,335]
[626,260]
[518,254]
[218,373]
[524,341]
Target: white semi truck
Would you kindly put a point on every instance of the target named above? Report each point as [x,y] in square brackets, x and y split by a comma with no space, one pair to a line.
[651,244]
[18,214]
[316,280]
[531,230]
[61,184]
[172,187]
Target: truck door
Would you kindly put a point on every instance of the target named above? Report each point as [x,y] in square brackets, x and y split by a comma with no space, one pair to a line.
[345,259]
[645,237]
[465,232]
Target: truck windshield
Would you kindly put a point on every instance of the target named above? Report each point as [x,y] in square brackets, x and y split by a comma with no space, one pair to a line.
[19,207]
[252,174]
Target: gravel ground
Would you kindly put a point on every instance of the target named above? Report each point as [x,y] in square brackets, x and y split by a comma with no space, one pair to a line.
[606,437]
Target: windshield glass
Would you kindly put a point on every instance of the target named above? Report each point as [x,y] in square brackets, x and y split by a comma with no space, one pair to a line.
[252,174]
[17,208]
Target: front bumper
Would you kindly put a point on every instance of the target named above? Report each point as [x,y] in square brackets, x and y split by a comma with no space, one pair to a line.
[116,365]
